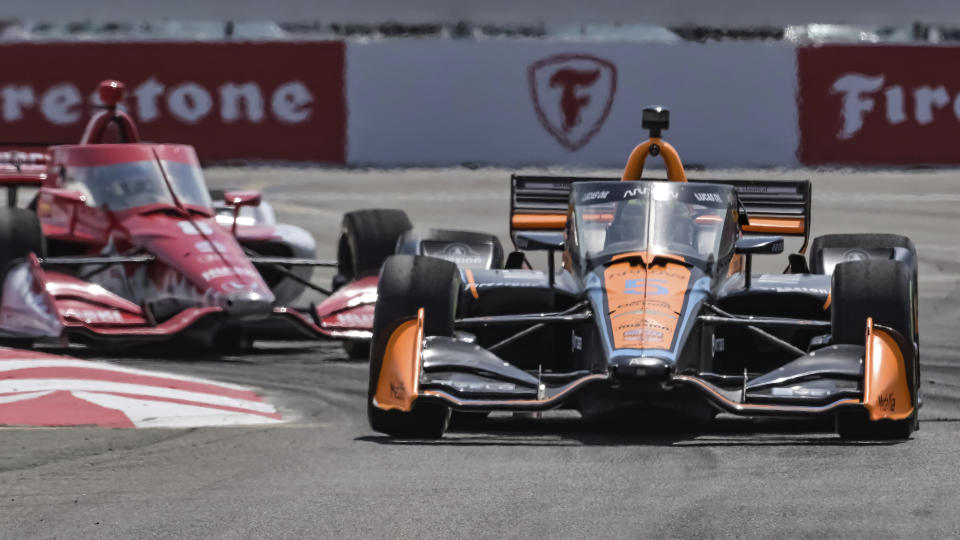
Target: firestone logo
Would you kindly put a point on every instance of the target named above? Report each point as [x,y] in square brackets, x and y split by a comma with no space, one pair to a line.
[861,94]
[573,95]
[188,102]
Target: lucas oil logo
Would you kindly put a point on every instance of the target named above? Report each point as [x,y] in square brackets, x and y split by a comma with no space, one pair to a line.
[572,95]
[708,197]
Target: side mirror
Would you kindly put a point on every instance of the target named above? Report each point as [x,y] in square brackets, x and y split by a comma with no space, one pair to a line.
[759,245]
[756,245]
[551,241]
[50,198]
[539,240]
[67,196]
[238,199]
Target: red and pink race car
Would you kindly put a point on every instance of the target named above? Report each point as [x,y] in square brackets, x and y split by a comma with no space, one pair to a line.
[123,243]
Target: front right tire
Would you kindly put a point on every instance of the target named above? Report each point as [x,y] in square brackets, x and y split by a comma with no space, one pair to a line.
[883,290]
[408,283]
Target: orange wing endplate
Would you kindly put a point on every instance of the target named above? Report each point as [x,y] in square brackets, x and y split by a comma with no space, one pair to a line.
[399,383]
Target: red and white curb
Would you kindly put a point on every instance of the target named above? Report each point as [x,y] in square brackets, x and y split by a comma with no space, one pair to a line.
[38,389]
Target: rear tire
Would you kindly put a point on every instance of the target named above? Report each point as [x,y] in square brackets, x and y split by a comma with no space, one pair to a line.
[367,238]
[20,235]
[883,290]
[408,283]
[864,241]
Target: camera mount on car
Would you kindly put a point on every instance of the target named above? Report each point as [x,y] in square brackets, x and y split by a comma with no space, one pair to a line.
[655,118]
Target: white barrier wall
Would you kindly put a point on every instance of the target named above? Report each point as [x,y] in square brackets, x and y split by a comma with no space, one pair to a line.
[434,102]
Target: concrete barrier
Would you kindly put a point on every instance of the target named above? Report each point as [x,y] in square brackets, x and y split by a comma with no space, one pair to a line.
[433,102]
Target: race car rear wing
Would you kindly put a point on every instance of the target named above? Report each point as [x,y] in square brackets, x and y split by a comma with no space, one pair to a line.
[21,169]
[781,207]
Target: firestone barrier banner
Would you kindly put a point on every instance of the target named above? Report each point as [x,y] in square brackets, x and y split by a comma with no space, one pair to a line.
[435,102]
[233,101]
[878,105]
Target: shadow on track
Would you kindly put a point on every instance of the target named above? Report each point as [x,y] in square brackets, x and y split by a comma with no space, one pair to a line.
[174,353]
[572,431]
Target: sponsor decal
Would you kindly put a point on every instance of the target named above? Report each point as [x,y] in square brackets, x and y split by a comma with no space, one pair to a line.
[209,258]
[572,95]
[462,255]
[644,334]
[855,255]
[207,246]
[636,192]
[357,320]
[646,286]
[197,93]
[481,386]
[237,286]
[194,227]
[595,195]
[576,342]
[644,304]
[223,271]
[716,345]
[708,197]
[878,105]
[94,315]
[887,402]
[398,390]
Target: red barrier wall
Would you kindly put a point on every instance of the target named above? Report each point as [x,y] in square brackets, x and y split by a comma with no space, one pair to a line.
[878,105]
[282,101]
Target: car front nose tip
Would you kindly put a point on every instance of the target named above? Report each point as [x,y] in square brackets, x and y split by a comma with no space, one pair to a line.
[247,304]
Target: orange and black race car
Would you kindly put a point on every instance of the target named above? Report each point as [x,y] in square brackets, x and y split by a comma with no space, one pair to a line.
[655,307]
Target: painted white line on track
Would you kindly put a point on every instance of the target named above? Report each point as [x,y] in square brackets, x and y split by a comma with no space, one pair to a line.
[145,413]
[12,365]
[73,385]
[20,397]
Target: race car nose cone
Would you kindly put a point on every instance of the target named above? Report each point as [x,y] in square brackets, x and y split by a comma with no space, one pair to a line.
[247,304]
[640,368]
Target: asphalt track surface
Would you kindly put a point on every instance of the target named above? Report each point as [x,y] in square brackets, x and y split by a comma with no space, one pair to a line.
[326,474]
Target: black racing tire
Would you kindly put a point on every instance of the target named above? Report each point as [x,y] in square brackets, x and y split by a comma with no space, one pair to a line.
[883,290]
[367,238]
[357,349]
[855,425]
[854,241]
[20,235]
[407,283]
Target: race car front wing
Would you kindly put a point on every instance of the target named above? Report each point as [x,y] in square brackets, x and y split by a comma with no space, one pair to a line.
[467,377]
